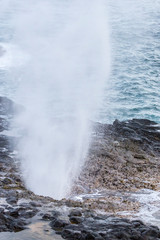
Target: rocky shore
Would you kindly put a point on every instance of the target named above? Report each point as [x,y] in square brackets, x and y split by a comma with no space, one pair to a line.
[124,157]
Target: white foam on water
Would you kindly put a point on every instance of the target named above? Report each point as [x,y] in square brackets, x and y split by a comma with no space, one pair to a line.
[149,201]
[150,205]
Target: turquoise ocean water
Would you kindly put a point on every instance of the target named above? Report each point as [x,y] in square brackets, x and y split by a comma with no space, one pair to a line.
[133,90]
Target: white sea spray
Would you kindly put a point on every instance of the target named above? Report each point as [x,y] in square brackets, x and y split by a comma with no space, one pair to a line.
[61,84]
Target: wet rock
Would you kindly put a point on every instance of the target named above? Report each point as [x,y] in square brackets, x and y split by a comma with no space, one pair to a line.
[14,213]
[76,220]
[7,181]
[93,236]
[100,228]
[76,213]
[12,200]
[151,232]
[58,224]
[2,219]
[47,217]
[53,215]
[27,212]
[143,129]
[71,234]
[35,204]
[16,226]
[122,156]
[11,223]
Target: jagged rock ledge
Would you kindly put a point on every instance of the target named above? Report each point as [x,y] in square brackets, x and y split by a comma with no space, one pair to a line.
[122,156]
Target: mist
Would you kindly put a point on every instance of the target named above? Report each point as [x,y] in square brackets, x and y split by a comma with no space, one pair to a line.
[66,52]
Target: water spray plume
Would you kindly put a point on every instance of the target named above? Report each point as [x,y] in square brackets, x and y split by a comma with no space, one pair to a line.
[67,47]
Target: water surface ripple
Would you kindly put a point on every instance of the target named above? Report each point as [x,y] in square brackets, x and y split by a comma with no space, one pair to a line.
[135,79]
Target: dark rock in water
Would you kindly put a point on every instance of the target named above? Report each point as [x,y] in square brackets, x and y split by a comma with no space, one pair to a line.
[93,236]
[35,204]
[11,223]
[71,234]
[58,224]
[14,213]
[47,217]
[12,200]
[55,214]
[76,213]
[110,229]
[27,212]
[76,220]
[51,216]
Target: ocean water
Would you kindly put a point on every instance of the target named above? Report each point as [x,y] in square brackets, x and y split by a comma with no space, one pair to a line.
[134,90]
[134,87]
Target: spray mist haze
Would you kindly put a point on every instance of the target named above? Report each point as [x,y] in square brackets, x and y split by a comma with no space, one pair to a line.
[61,82]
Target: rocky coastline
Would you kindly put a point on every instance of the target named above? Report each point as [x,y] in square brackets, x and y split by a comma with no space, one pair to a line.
[124,157]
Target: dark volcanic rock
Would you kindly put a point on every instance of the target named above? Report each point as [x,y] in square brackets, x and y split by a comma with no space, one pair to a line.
[12,200]
[71,234]
[76,220]
[122,156]
[108,228]
[75,213]
[9,223]
[58,224]
[144,131]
